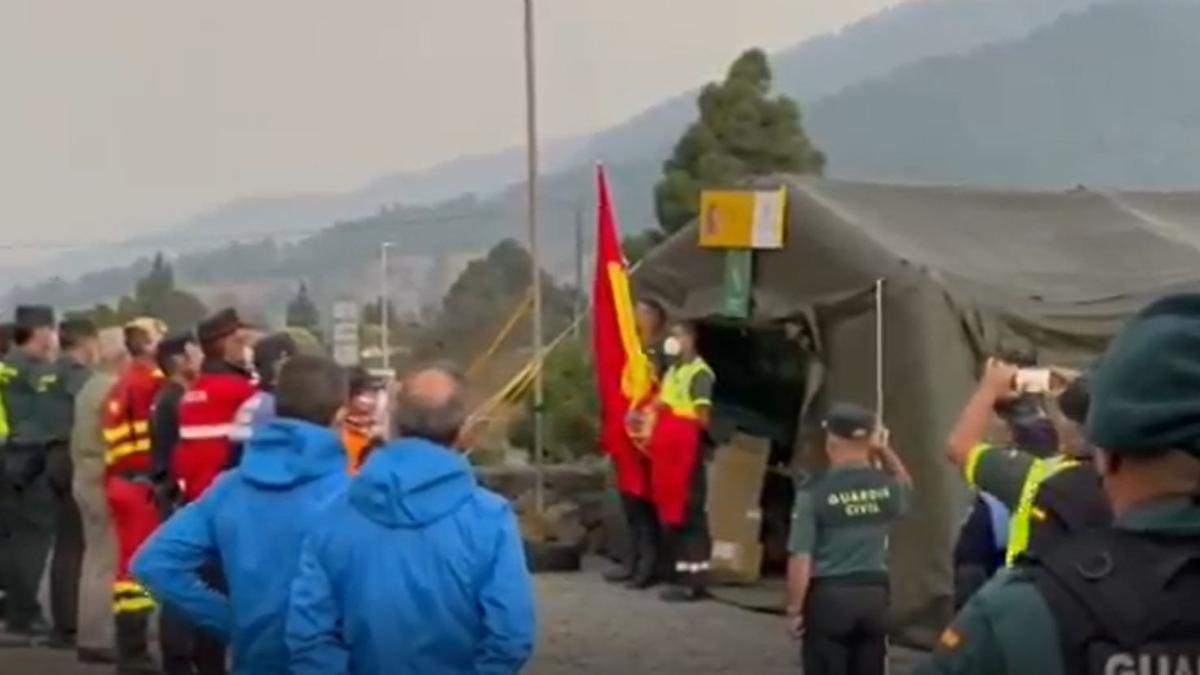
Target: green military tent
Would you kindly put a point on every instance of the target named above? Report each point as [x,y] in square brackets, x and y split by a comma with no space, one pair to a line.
[959,274]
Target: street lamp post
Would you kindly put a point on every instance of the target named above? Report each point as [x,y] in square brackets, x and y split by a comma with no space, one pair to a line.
[531,184]
[384,319]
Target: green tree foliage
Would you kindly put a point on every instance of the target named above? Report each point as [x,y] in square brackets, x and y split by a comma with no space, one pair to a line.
[154,294]
[483,298]
[302,312]
[742,132]
[572,409]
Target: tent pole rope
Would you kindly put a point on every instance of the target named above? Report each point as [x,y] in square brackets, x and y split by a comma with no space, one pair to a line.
[879,409]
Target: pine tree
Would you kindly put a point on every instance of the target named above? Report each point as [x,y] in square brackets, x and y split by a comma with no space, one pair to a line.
[302,312]
[742,132]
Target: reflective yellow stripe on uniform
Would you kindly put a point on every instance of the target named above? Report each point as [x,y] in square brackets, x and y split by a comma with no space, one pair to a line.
[121,431]
[1026,513]
[119,452]
[676,391]
[130,596]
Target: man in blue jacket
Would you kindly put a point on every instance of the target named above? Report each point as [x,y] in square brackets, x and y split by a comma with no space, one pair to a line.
[253,520]
[416,569]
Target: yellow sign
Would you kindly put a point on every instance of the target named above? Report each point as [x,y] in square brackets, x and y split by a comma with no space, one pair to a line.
[742,218]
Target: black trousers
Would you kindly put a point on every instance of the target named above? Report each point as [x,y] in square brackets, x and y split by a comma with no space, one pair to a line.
[690,543]
[845,627]
[66,565]
[29,512]
[187,650]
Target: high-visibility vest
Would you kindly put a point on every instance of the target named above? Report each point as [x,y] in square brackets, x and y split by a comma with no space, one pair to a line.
[1023,516]
[126,418]
[676,392]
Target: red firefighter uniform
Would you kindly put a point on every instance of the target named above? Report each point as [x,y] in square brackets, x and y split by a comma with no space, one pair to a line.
[206,416]
[127,483]
[674,446]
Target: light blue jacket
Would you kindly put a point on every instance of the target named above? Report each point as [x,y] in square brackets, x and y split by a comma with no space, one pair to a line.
[253,519]
[415,570]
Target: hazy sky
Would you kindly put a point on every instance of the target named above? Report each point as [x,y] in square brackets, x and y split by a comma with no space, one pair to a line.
[124,114]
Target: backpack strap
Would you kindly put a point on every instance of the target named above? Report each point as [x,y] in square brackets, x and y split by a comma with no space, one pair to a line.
[1118,591]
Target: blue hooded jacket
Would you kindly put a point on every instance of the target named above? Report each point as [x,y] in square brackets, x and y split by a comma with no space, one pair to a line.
[253,519]
[415,570]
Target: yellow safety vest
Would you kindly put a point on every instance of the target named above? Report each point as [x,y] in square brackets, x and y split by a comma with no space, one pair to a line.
[676,392]
[6,375]
[1025,514]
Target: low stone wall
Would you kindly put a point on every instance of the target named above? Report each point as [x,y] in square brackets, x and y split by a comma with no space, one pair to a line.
[581,508]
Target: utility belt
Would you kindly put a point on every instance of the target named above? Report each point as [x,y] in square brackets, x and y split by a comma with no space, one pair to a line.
[854,579]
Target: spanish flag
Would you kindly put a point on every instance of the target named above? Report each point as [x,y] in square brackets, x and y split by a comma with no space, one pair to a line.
[624,375]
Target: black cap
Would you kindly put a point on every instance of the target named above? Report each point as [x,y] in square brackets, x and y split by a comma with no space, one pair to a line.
[849,422]
[220,325]
[1145,392]
[74,329]
[34,316]
[175,345]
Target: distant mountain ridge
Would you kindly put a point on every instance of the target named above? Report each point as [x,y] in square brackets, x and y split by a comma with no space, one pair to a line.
[837,67]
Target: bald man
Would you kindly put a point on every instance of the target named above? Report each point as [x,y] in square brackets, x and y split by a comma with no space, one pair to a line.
[416,568]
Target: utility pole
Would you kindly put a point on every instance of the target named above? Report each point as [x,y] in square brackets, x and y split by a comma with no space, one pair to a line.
[534,252]
[580,294]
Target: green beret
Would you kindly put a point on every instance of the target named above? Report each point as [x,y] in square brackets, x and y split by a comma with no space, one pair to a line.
[1145,391]
[849,421]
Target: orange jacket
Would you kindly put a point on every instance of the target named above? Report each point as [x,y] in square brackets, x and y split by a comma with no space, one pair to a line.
[127,419]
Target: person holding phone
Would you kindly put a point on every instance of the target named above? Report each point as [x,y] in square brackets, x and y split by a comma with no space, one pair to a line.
[837,573]
[1047,495]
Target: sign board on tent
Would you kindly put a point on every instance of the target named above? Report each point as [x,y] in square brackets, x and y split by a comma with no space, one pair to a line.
[738,282]
[742,218]
[346,350]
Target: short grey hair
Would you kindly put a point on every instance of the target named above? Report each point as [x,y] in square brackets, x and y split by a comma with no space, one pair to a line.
[437,420]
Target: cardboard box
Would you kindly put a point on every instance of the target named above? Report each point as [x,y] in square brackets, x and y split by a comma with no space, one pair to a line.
[736,562]
[735,488]
[734,515]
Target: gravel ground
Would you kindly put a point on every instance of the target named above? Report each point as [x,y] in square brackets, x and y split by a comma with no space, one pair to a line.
[588,626]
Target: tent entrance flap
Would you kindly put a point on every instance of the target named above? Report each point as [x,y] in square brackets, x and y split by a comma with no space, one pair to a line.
[762,384]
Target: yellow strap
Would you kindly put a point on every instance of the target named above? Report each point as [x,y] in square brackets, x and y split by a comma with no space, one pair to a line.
[1026,513]
[972,465]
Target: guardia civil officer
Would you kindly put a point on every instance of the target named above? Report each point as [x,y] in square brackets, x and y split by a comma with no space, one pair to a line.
[837,573]
[27,380]
[1120,600]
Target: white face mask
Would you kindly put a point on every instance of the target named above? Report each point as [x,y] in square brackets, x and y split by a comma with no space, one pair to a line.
[671,346]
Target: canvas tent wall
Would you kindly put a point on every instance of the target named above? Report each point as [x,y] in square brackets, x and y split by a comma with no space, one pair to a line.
[966,273]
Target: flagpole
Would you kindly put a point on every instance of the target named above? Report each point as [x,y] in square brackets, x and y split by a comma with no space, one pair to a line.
[535,254]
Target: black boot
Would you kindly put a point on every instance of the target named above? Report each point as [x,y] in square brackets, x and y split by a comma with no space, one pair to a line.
[691,587]
[647,572]
[624,572]
[133,649]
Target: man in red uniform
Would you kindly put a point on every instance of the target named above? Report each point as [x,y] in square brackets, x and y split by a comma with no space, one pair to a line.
[208,409]
[129,487]
[207,413]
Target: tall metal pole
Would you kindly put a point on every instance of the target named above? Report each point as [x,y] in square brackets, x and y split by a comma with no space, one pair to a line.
[535,254]
[384,338]
[580,298]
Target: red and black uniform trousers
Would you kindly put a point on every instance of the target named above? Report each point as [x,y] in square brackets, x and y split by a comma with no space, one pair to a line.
[130,492]
[678,485]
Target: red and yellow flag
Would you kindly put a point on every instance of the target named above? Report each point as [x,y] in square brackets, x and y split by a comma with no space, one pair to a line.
[624,375]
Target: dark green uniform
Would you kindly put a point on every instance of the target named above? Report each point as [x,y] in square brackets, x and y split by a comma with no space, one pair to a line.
[1008,628]
[842,520]
[27,498]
